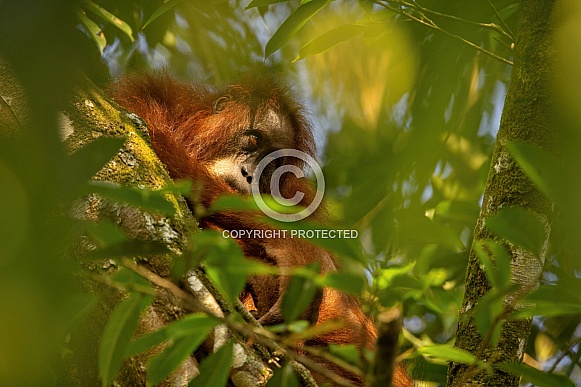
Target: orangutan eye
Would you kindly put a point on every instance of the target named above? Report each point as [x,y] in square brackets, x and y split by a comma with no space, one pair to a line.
[254,141]
[220,104]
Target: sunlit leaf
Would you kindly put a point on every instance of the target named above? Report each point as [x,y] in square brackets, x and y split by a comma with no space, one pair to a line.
[519,226]
[109,18]
[93,30]
[263,3]
[329,39]
[117,335]
[447,352]
[293,24]
[215,369]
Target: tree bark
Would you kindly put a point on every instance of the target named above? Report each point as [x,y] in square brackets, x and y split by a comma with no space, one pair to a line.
[92,116]
[527,116]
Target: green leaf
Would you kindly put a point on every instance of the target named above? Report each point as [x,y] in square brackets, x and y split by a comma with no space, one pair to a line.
[498,273]
[293,24]
[109,18]
[346,282]
[175,330]
[519,226]
[92,29]
[415,228]
[540,166]
[215,369]
[490,306]
[348,352]
[456,210]
[117,335]
[298,297]
[447,352]
[165,7]
[105,233]
[263,3]
[90,159]
[283,377]
[536,377]
[185,338]
[550,301]
[330,39]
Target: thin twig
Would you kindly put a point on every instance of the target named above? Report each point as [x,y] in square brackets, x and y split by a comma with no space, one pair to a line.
[429,23]
[492,26]
[501,20]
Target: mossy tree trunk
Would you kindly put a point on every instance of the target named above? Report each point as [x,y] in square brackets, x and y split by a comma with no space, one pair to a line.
[528,117]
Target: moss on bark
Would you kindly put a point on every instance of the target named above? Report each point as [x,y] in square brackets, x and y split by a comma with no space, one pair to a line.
[527,116]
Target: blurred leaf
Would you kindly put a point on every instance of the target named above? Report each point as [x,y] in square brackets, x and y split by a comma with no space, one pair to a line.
[215,369]
[489,307]
[283,377]
[117,335]
[329,39]
[415,228]
[345,282]
[456,210]
[105,233]
[341,242]
[165,7]
[367,5]
[147,199]
[536,377]
[185,338]
[293,24]
[93,30]
[263,3]
[518,226]
[498,273]
[550,300]
[447,352]
[230,277]
[540,166]
[92,157]
[298,297]
[388,274]
[348,352]
[109,18]
[175,330]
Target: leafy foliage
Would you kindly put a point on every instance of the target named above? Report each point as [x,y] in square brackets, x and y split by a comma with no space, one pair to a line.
[409,112]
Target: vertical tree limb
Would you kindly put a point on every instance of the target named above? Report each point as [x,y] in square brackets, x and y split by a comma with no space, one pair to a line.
[527,116]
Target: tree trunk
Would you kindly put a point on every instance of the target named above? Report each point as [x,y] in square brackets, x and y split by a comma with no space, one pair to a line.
[527,116]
